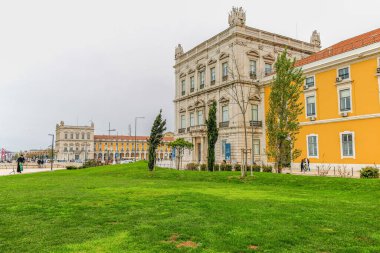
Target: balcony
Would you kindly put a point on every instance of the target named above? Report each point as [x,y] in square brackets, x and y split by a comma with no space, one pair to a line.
[212,82]
[181,130]
[197,129]
[201,86]
[191,89]
[183,93]
[224,124]
[256,123]
[253,75]
[224,78]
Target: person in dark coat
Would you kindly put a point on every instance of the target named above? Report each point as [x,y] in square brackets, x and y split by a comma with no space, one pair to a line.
[20,163]
[302,161]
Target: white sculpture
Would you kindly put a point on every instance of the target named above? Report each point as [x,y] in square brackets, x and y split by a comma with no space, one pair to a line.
[178,51]
[236,17]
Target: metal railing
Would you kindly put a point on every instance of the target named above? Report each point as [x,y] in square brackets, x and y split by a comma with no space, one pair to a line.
[224,124]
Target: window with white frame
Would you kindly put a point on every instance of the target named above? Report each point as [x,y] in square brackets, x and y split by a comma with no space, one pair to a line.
[201,79]
[225,115]
[200,117]
[310,106]
[252,67]
[192,119]
[345,100]
[82,136]
[312,145]
[344,73]
[268,68]
[309,82]
[65,135]
[192,84]
[183,121]
[224,142]
[225,69]
[183,87]
[255,112]
[212,74]
[88,136]
[347,144]
[256,146]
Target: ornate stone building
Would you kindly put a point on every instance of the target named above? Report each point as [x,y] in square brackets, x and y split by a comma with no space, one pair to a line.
[238,57]
[74,142]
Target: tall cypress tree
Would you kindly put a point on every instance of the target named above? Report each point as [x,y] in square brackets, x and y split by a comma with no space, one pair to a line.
[284,108]
[155,139]
[212,136]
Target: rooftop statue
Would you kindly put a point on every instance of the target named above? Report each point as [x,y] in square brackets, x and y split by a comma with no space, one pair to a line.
[236,17]
[315,39]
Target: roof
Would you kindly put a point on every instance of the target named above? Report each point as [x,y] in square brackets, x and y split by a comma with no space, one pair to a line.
[128,138]
[353,43]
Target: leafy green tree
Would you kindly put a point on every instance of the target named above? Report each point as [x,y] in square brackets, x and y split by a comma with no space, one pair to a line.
[155,139]
[212,136]
[284,109]
[180,145]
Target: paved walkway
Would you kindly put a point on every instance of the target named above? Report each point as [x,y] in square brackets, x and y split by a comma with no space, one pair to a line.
[7,172]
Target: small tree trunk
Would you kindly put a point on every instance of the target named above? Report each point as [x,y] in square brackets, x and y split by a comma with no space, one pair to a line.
[244,169]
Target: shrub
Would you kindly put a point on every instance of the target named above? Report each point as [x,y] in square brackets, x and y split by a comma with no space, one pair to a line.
[203,167]
[192,166]
[216,167]
[267,168]
[72,167]
[90,163]
[256,168]
[369,172]
[228,167]
[237,167]
[223,166]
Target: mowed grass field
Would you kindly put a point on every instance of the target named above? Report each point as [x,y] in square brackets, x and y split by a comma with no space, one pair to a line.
[124,208]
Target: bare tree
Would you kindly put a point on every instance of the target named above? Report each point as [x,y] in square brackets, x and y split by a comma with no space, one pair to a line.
[240,92]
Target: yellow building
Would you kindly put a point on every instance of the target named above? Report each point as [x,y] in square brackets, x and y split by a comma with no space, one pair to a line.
[341,97]
[116,147]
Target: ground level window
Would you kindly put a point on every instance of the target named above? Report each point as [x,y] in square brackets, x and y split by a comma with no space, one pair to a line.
[312,145]
[347,144]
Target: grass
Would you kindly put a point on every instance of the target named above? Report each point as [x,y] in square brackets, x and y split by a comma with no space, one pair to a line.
[124,208]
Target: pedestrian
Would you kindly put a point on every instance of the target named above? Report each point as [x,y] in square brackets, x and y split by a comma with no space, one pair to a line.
[302,164]
[307,164]
[20,163]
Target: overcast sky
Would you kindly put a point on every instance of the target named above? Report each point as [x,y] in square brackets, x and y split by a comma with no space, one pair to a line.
[109,60]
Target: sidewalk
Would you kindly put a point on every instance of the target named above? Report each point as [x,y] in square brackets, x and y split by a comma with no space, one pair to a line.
[7,172]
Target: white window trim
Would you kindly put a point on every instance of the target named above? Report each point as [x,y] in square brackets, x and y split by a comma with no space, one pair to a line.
[349,72]
[345,87]
[180,120]
[315,83]
[378,76]
[315,99]
[353,145]
[226,62]
[307,146]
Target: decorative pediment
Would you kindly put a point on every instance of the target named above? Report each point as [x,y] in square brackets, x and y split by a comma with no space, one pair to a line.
[223,56]
[182,110]
[199,103]
[211,61]
[253,53]
[182,75]
[191,71]
[254,98]
[269,57]
[224,100]
[191,108]
[200,66]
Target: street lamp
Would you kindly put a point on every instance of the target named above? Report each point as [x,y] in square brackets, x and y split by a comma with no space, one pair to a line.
[52,151]
[109,139]
[136,118]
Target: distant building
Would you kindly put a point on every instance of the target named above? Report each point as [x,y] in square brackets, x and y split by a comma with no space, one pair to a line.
[203,75]
[74,142]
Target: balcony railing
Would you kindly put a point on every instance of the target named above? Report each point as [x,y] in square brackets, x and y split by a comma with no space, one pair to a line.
[183,93]
[199,128]
[224,78]
[253,75]
[224,124]
[201,86]
[181,130]
[256,123]
[212,82]
[191,89]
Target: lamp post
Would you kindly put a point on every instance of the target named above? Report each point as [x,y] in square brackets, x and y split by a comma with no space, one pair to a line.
[52,151]
[109,139]
[136,118]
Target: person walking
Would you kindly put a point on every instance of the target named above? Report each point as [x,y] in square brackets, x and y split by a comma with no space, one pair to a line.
[302,161]
[20,163]
[307,164]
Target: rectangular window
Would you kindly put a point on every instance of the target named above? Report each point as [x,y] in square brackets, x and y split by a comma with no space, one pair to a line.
[344,73]
[212,74]
[225,113]
[201,79]
[192,84]
[82,136]
[310,106]
[255,112]
[309,81]
[192,119]
[224,142]
[183,121]
[88,136]
[225,69]
[256,147]
[65,135]
[252,67]
[72,136]
[312,145]
[200,117]
[268,69]
[77,136]
[347,145]
[345,100]
[183,87]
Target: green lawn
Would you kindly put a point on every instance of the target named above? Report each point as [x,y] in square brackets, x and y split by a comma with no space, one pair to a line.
[123,208]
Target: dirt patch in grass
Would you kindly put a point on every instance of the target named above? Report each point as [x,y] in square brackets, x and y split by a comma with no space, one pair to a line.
[187,244]
[253,247]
